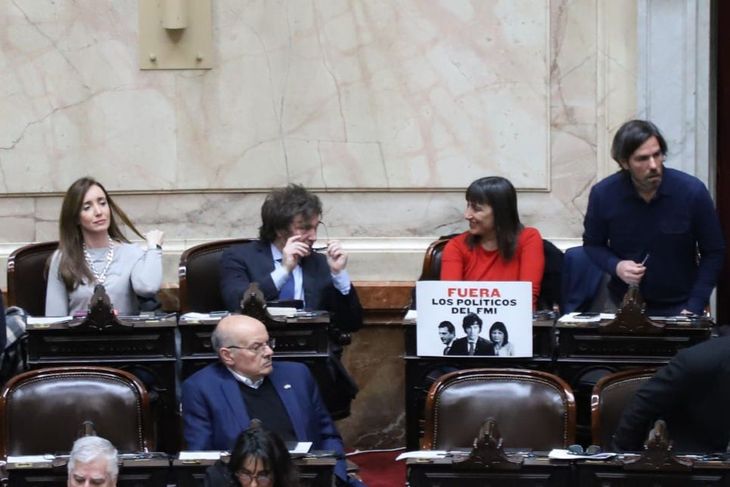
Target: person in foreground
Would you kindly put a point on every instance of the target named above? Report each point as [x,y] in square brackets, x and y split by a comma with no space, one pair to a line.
[497,247]
[259,455]
[92,462]
[691,395]
[646,224]
[220,400]
[472,343]
[285,263]
[286,266]
[92,250]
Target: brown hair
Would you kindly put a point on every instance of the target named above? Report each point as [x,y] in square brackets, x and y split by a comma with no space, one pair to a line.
[72,266]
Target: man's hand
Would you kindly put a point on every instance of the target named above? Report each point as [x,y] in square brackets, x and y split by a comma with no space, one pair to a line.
[293,251]
[630,272]
[336,257]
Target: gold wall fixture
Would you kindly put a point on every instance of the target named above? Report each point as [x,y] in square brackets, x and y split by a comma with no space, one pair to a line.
[175,34]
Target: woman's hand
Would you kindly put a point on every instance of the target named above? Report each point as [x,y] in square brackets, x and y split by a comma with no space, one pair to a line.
[154,238]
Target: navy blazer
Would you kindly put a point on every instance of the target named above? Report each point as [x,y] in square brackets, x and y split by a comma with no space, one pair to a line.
[461,347]
[691,394]
[252,262]
[214,412]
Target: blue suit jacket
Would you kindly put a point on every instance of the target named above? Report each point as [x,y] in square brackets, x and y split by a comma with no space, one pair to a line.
[214,413]
[252,262]
[691,394]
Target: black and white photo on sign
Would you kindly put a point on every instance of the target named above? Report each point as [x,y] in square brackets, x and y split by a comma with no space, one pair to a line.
[478,319]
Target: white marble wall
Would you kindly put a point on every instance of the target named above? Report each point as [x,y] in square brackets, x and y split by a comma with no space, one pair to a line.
[387,109]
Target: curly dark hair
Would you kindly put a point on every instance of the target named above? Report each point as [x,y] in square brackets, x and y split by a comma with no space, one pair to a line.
[282,206]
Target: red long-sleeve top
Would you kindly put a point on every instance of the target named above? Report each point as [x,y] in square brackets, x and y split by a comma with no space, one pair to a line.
[461,263]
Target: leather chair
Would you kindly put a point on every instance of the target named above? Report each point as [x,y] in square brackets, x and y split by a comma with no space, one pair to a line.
[550,287]
[533,409]
[199,276]
[43,411]
[28,276]
[611,395]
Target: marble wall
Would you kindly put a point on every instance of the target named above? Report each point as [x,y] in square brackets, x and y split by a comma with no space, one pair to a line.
[386,109]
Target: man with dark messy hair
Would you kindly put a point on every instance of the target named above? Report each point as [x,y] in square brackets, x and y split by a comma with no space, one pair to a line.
[472,343]
[287,266]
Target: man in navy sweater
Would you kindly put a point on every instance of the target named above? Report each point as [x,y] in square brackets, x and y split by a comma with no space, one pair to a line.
[654,227]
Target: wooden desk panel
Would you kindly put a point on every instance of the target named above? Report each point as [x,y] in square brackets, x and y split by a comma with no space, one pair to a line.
[577,353]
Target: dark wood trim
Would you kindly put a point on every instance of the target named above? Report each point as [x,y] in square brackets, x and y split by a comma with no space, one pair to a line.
[722,19]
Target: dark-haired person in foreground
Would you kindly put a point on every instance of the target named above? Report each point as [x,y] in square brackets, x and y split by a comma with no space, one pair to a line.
[472,343]
[286,266]
[259,455]
[497,247]
[219,401]
[654,227]
[691,394]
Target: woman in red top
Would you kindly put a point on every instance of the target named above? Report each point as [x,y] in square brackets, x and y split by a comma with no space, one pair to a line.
[497,247]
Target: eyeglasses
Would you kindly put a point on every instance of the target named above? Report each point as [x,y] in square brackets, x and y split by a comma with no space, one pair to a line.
[321,228]
[257,348]
[262,478]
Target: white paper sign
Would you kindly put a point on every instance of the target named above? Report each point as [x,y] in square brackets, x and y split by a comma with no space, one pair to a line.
[487,318]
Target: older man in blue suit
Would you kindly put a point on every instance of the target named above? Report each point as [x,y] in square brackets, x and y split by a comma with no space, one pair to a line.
[220,400]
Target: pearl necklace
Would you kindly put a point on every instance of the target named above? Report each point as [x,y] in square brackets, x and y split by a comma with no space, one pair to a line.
[100,277]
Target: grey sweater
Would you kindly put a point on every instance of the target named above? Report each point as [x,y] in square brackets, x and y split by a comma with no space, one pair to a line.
[134,271]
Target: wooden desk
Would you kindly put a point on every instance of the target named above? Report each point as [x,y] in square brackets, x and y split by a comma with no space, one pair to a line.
[584,354]
[313,472]
[144,346]
[576,352]
[161,471]
[133,472]
[421,372]
[443,473]
[539,471]
[612,474]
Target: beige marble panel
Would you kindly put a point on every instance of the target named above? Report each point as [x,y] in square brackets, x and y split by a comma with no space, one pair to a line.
[377,105]
[330,94]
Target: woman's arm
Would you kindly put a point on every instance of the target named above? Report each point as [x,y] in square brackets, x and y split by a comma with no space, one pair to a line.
[532,260]
[452,262]
[146,274]
[56,294]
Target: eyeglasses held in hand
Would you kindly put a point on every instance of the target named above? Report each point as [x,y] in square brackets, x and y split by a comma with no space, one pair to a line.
[321,229]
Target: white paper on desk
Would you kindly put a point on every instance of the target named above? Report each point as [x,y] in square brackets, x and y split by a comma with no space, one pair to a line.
[301,448]
[575,318]
[278,311]
[31,458]
[423,454]
[200,455]
[411,315]
[557,454]
[194,316]
[48,320]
